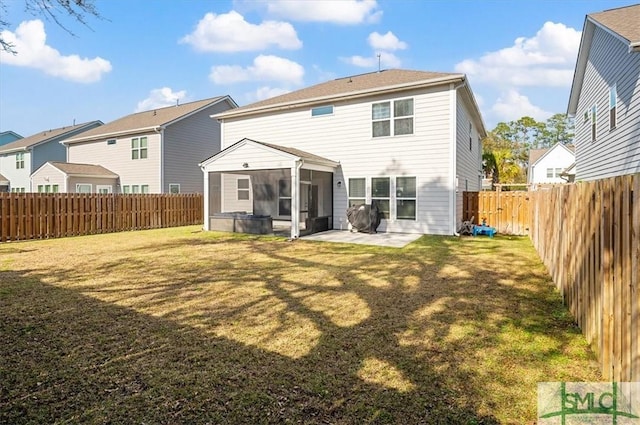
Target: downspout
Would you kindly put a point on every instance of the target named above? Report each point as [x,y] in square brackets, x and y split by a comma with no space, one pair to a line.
[454,152]
[295,194]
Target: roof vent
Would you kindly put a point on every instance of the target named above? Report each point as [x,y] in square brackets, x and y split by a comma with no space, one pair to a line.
[154,113]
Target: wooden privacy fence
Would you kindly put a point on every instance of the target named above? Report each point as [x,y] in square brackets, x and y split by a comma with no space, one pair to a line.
[508,212]
[37,215]
[588,236]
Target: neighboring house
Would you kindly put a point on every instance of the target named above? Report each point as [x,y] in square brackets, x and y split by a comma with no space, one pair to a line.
[22,157]
[8,137]
[410,141]
[547,165]
[64,177]
[605,95]
[154,151]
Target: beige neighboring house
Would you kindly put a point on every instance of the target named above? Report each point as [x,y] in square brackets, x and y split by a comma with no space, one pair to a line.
[154,151]
[605,95]
[64,177]
[4,184]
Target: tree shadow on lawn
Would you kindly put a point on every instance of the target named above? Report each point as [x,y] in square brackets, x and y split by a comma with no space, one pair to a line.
[282,333]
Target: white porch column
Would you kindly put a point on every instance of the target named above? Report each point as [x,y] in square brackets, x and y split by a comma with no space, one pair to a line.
[205,199]
[295,199]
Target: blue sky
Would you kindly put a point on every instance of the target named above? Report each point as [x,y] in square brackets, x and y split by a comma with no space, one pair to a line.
[519,55]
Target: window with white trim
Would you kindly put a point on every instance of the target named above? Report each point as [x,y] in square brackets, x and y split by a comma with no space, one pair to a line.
[470,135]
[174,188]
[284,197]
[322,110]
[135,188]
[18,190]
[83,188]
[242,189]
[111,142]
[126,189]
[19,160]
[397,120]
[613,106]
[594,116]
[381,194]
[549,173]
[357,191]
[48,188]
[139,148]
[103,189]
[406,198]
[144,188]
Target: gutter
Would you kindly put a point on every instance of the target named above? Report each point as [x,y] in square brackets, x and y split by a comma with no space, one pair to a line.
[115,133]
[634,47]
[160,130]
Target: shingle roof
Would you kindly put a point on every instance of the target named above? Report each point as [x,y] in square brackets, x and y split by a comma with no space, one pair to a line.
[147,119]
[296,152]
[536,154]
[41,137]
[74,169]
[353,85]
[624,21]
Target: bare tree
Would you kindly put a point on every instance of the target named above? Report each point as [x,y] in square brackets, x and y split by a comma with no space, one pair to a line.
[53,10]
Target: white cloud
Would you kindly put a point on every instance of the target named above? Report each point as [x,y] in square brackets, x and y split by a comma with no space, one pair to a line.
[547,59]
[512,105]
[387,60]
[160,98]
[264,68]
[386,42]
[266,92]
[231,33]
[345,12]
[29,41]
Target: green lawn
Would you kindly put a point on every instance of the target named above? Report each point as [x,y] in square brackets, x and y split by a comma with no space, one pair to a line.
[177,326]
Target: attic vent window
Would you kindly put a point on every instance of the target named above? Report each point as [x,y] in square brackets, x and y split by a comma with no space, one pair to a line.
[322,110]
[111,142]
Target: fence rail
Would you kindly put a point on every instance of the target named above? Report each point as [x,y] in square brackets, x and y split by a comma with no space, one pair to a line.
[588,236]
[38,216]
[508,212]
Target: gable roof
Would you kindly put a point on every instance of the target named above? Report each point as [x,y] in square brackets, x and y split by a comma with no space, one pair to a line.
[291,152]
[624,21]
[43,137]
[621,23]
[536,155]
[84,170]
[3,180]
[348,87]
[153,119]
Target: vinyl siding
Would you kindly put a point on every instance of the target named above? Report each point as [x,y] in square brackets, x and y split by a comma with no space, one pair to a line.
[559,157]
[18,177]
[615,152]
[117,158]
[187,143]
[468,161]
[230,197]
[50,151]
[94,182]
[346,136]
[47,174]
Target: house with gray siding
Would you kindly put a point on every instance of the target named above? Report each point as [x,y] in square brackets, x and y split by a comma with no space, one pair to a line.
[23,156]
[154,151]
[605,95]
[408,141]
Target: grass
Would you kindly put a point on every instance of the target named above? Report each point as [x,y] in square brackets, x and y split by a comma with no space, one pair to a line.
[179,326]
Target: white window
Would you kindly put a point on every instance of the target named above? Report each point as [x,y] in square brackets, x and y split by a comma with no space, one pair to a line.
[135,188]
[83,188]
[550,173]
[406,198]
[357,191]
[470,135]
[613,106]
[111,142]
[103,189]
[144,188]
[381,194]
[139,148]
[40,188]
[55,188]
[384,124]
[243,189]
[322,110]
[284,197]
[19,160]
[126,189]
[594,115]
[18,189]
[174,188]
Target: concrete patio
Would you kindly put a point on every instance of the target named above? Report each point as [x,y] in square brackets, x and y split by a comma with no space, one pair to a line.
[394,240]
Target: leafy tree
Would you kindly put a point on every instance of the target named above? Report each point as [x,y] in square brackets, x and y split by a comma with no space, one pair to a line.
[50,9]
[506,148]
